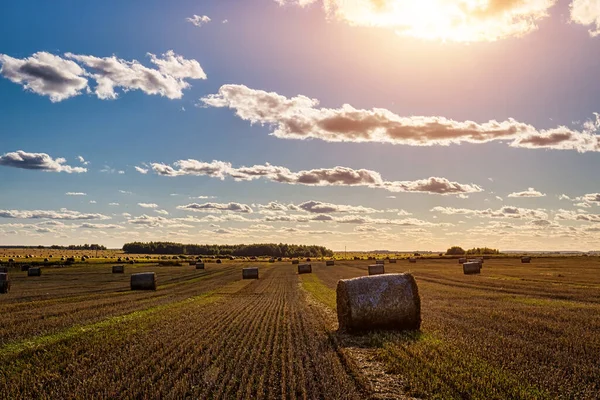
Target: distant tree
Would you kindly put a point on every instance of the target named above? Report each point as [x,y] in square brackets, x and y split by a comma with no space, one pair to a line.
[455,251]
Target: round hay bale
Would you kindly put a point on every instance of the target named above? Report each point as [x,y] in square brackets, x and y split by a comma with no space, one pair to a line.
[304,268]
[250,273]
[294,262]
[392,261]
[271,260]
[34,271]
[525,260]
[199,265]
[412,260]
[329,263]
[379,302]
[118,269]
[131,261]
[279,259]
[376,269]
[471,268]
[308,259]
[24,268]
[46,260]
[192,263]
[11,260]
[462,260]
[4,283]
[219,261]
[143,281]
[381,262]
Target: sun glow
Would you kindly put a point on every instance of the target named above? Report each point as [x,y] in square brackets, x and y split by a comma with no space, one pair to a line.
[446,20]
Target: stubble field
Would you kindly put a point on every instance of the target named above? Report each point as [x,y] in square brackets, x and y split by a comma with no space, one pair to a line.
[520,331]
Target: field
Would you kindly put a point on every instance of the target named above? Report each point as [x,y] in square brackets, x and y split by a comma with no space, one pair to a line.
[518,331]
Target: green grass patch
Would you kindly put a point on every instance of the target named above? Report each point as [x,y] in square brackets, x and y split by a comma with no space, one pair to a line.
[313,285]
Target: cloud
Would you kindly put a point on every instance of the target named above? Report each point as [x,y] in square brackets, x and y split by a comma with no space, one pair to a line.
[504,212]
[99,226]
[326,208]
[148,205]
[125,192]
[586,12]
[530,192]
[113,204]
[75,194]
[236,207]
[38,161]
[576,216]
[300,118]
[62,214]
[198,20]
[45,74]
[590,198]
[336,176]
[169,80]
[444,20]
[141,170]
[92,201]
[82,160]
[162,212]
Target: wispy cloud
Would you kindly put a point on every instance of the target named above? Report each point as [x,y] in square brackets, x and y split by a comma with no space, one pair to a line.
[38,161]
[63,214]
[198,20]
[75,194]
[148,205]
[530,192]
[236,207]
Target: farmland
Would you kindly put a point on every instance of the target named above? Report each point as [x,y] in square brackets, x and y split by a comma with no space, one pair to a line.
[521,331]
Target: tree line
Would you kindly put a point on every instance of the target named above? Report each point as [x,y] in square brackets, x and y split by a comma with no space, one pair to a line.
[459,251]
[238,250]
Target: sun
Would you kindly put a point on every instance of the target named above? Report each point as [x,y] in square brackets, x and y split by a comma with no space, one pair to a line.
[445,20]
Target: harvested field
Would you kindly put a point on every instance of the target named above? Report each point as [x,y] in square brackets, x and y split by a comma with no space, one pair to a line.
[519,331]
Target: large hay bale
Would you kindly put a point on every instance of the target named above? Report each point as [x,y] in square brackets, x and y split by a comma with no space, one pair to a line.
[380,262]
[250,273]
[24,268]
[392,261]
[462,260]
[379,302]
[329,263]
[525,260]
[376,269]
[118,269]
[470,268]
[34,271]
[199,265]
[412,260]
[304,268]
[294,262]
[4,283]
[143,281]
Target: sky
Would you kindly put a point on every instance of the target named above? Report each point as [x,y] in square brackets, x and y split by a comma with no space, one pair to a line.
[358,124]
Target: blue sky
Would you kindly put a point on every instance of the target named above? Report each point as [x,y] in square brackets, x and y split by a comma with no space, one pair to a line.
[424,168]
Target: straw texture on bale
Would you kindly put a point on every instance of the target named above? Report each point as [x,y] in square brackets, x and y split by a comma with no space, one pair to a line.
[380,262]
[143,281]
[34,271]
[379,302]
[294,262]
[462,260]
[470,268]
[392,261]
[199,265]
[329,263]
[525,260]
[118,269]
[304,268]
[250,273]
[4,283]
[412,260]
[376,269]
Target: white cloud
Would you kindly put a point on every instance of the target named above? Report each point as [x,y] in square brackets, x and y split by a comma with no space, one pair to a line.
[208,207]
[62,214]
[198,20]
[125,192]
[113,204]
[75,194]
[121,172]
[336,176]
[82,160]
[504,212]
[499,198]
[45,74]
[530,192]
[300,118]
[92,201]
[38,161]
[162,212]
[586,12]
[141,170]
[148,205]
[99,226]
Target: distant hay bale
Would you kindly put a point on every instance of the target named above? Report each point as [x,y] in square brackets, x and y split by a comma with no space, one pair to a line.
[46,260]
[525,260]
[392,261]
[11,260]
[380,262]
[143,281]
[308,259]
[62,259]
[199,265]
[356,258]
[219,261]
[279,259]
[24,268]
[379,302]
[329,263]
[470,268]
[250,273]
[271,260]
[4,283]
[118,269]
[82,258]
[304,268]
[376,269]
[462,260]
[294,262]
[192,263]
[34,271]
[4,270]
[412,260]
[131,261]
